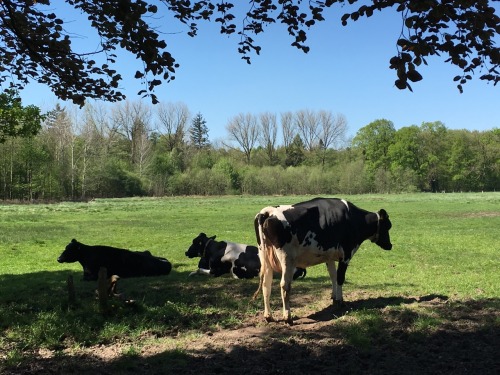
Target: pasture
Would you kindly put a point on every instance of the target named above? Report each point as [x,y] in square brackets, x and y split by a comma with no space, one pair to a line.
[431,305]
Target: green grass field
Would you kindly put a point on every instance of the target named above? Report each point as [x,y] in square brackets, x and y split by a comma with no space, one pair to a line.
[443,245]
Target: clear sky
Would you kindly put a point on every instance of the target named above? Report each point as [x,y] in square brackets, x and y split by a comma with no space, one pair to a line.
[346,72]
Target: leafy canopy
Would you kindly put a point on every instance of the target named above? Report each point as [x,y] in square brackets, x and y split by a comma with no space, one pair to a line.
[35,45]
[16,120]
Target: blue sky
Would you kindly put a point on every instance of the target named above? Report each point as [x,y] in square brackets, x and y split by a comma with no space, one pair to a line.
[346,72]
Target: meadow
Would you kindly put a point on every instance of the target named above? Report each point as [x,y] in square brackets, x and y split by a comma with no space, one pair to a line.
[444,264]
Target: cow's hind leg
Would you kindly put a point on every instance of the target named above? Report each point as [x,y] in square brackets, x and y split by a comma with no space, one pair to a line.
[266,281]
[286,286]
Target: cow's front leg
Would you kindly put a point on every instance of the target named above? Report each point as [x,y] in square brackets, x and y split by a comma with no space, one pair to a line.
[340,280]
[336,288]
[286,288]
[200,271]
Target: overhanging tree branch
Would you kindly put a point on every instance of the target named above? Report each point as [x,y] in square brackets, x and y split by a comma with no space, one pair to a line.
[36,46]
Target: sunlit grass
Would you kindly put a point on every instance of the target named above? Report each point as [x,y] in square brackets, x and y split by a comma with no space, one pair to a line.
[444,244]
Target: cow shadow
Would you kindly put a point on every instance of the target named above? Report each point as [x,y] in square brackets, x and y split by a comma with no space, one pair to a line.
[338,310]
[36,287]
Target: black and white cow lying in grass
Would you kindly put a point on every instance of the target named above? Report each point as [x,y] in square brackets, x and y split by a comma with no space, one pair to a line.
[121,262]
[220,257]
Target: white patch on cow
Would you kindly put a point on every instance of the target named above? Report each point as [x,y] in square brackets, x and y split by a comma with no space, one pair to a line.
[279,213]
[346,204]
[310,253]
[310,241]
[233,251]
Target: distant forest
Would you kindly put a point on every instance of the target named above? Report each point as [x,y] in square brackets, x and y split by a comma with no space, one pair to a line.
[132,149]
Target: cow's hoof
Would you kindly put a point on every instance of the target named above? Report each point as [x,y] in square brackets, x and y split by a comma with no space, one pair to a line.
[269,318]
[289,321]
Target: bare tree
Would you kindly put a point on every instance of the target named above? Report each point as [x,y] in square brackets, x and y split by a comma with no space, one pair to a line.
[243,129]
[60,136]
[307,123]
[133,121]
[104,131]
[100,136]
[143,152]
[288,129]
[173,119]
[332,131]
[269,132]
[332,128]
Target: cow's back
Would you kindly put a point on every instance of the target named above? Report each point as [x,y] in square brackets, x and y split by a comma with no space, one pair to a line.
[244,260]
[322,221]
[126,263]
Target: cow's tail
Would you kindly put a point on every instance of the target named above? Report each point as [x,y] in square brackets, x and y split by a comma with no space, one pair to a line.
[258,221]
[267,255]
[256,294]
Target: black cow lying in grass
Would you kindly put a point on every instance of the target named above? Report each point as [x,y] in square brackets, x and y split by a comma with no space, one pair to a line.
[221,257]
[121,262]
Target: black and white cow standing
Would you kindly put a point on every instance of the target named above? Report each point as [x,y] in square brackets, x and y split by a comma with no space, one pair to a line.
[221,257]
[322,230]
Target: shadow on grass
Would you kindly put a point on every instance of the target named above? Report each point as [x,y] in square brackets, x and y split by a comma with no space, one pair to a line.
[338,310]
[386,336]
[466,341]
[36,310]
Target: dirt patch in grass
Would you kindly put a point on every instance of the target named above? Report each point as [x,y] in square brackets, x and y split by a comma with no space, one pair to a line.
[383,335]
[482,214]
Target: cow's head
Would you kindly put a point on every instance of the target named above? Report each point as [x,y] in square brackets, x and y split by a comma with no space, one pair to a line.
[197,248]
[384,225]
[71,253]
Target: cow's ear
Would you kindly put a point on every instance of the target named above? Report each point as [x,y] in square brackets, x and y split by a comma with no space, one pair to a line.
[383,214]
[74,241]
[213,237]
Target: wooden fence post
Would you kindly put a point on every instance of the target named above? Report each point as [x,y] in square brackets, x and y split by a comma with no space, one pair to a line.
[102,289]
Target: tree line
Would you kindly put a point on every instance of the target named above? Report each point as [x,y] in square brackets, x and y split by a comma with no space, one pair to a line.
[134,149]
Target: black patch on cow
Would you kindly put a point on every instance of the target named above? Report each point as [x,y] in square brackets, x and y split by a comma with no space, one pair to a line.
[341,272]
[204,263]
[275,231]
[214,251]
[247,266]
[328,220]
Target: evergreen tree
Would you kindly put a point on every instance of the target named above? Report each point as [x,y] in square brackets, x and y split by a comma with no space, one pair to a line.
[198,132]
[295,153]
